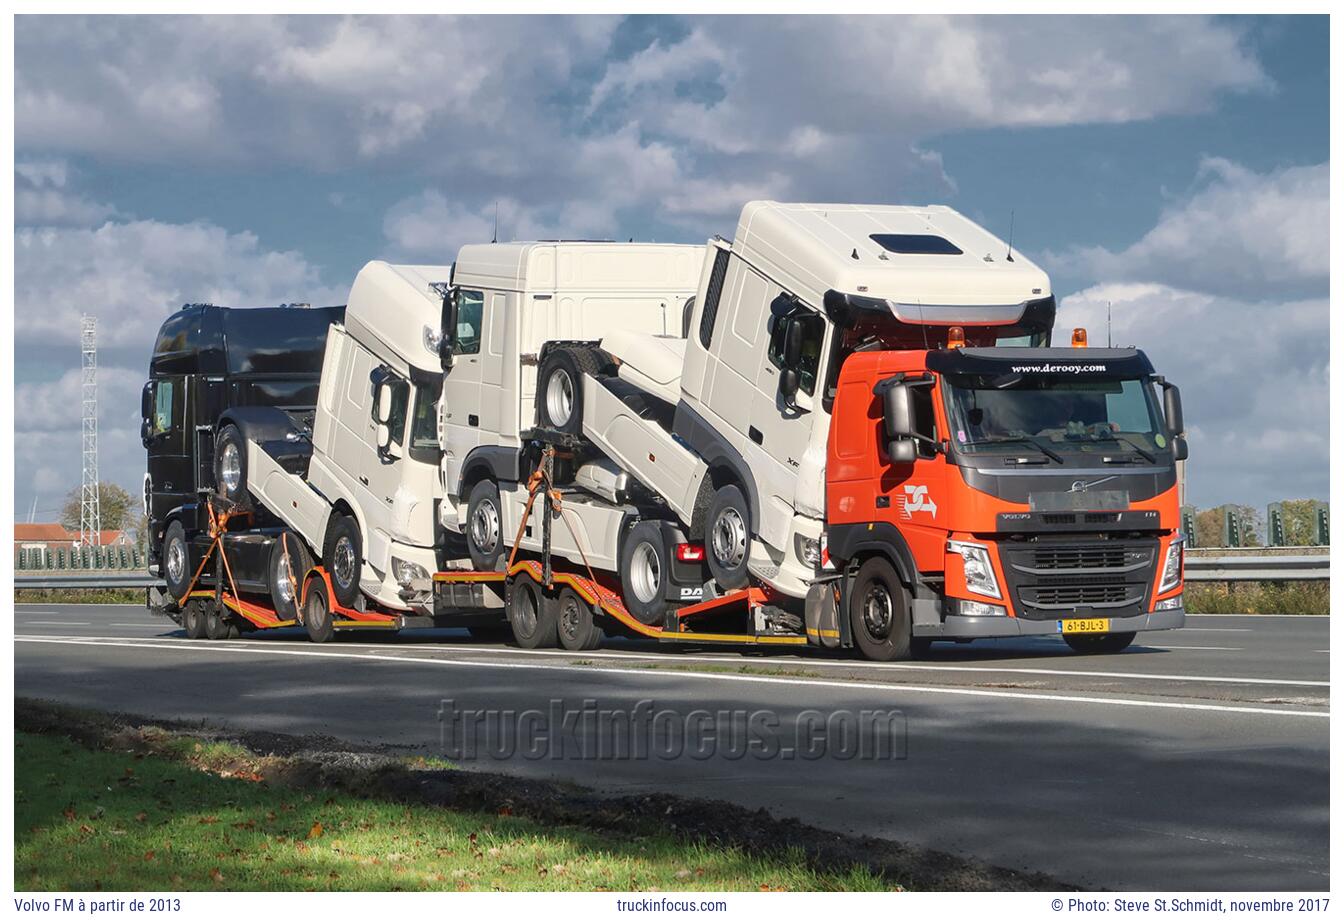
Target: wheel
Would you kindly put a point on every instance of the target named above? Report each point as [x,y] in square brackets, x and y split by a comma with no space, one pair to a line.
[231,466]
[288,567]
[492,633]
[317,614]
[194,619]
[560,387]
[879,612]
[919,646]
[644,573]
[531,614]
[1099,645]
[574,622]
[219,623]
[176,556]
[485,537]
[728,538]
[343,556]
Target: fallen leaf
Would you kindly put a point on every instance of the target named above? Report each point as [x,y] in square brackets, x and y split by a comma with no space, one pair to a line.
[70,813]
[505,811]
[684,873]
[85,829]
[149,855]
[315,831]
[141,816]
[216,875]
[208,819]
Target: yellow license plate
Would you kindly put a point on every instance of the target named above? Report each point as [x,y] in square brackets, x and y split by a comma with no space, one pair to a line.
[1085,626]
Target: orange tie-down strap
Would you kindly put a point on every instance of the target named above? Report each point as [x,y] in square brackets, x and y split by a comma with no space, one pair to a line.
[611,604]
[263,616]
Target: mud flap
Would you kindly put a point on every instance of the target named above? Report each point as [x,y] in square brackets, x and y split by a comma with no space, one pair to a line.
[822,615]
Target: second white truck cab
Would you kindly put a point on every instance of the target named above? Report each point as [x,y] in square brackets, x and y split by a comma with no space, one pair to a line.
[512,308]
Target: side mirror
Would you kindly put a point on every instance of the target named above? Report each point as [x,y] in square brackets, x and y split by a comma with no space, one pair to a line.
[1172,405]
[901,450]
[788,386]
[146,432]
[147,402]
[793,343]
[383,411]
[448,340]
[384,436]
[1179,449]
[898,411]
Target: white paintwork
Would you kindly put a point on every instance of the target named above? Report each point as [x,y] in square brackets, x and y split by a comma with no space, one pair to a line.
[534,293]
[391,496]
[651,362]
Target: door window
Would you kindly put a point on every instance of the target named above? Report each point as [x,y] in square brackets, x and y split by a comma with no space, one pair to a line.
[163,406]
[470,307]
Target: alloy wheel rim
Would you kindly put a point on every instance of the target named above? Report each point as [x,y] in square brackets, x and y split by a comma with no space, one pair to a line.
[344,562]
[485,527]
[878,612]
[230,467]
[177,560]
[646,573]
[560,397]
[730,539]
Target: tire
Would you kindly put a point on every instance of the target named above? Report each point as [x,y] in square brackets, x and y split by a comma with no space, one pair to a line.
[560,387]
[645,569]
[317,615]
[175,563]
[728,538]
[574,622]
[500,633]
[531,614]
[194,618]
[485,526]
[1108,644]
[288,567]
[920,646]
[231,466]
[219,623]
[343,558]
[879,612]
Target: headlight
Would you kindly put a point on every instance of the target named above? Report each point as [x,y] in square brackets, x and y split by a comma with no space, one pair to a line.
[977,609]
[1171,569]
[432,339]
[809,551]
[407,572]
[1171,603]
[979,570]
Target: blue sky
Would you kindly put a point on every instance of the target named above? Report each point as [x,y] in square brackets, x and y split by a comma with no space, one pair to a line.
[1176,167]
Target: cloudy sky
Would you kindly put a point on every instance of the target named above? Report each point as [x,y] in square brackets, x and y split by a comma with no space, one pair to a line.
[1175,168]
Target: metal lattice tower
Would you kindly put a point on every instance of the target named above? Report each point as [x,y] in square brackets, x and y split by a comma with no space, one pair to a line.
[90,510]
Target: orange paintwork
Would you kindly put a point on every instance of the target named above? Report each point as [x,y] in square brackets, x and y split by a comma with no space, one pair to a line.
[929,500]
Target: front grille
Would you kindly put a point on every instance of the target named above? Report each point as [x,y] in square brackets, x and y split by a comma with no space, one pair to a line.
[1050,579]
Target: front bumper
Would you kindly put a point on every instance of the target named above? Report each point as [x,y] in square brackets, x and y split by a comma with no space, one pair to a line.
[960,627]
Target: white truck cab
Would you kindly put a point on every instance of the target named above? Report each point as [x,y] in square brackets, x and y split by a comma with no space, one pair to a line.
[365,502]
[511,301]
[800,287]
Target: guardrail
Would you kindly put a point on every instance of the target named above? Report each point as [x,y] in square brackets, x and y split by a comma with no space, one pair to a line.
[87,580]
[1257,568]
[1197,568]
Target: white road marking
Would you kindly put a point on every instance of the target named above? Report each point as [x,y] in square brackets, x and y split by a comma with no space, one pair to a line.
[255,648]
[1216,629]
[55,623]
[1198,648]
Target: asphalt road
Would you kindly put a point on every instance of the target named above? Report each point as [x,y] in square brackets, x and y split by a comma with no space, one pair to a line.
[1197,759]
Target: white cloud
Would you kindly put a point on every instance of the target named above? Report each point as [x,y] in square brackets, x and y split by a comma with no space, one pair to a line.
[1253,378]
[131,276]
[41,197]
[1240,233]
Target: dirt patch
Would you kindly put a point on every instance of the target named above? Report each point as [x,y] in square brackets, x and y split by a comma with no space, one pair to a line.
[390,773]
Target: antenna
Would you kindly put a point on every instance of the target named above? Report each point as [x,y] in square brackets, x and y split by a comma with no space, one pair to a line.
[1108,324]
[495,238]
[1012,215]
[924,330]
[90,510]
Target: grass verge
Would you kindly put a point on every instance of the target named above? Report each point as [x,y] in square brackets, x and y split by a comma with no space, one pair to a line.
[1307,598]
[112,803]
[79,595]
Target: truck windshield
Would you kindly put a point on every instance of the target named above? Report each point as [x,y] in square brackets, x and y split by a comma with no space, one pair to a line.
[1056,415]
[424,426]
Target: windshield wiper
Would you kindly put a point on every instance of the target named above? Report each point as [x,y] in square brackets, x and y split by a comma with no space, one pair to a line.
[1136,448]
[1020,440]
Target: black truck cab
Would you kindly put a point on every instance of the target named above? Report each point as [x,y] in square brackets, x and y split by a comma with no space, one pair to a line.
[208,360]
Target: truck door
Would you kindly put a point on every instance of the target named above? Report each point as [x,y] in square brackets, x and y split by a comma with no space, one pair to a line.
[460,410]
[779,436]
[382,472]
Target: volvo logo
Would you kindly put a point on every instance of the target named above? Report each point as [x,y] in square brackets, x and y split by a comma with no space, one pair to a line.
[1081,486]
